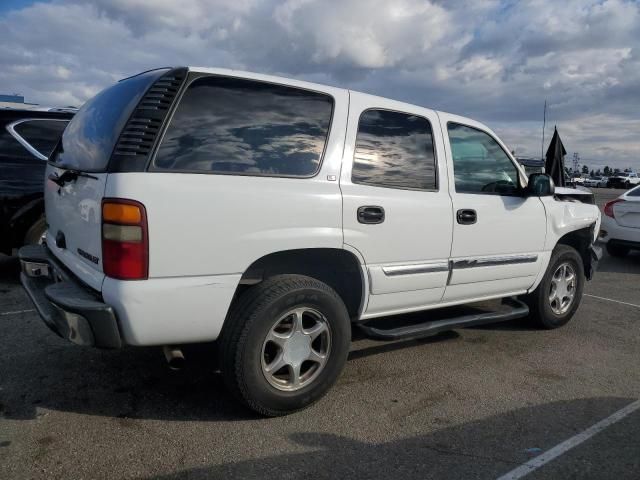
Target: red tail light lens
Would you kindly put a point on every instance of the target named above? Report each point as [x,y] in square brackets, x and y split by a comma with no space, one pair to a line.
[125,242]
[608,207]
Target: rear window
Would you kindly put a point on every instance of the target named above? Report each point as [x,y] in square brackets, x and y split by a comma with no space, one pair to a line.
[235,126]
[42,135]
[89,139]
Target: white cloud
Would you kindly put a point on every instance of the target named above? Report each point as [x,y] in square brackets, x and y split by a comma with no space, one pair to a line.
[494,61]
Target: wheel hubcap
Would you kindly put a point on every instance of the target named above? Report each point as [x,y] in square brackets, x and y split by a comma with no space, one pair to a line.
[563,289]
[296,349]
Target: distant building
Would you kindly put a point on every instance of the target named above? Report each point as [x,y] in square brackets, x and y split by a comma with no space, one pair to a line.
[11,98]
[16,102]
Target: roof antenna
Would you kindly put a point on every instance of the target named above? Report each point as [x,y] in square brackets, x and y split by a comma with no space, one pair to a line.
[544,122]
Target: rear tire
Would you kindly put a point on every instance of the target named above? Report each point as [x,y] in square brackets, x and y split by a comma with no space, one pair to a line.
[554,302]
[617,250]
[273,323]
[35,234]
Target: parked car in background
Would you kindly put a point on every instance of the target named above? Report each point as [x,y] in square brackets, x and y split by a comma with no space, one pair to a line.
[27,137]
[621,223]
[624,180]
[603,182]
[531,165]
[591,182]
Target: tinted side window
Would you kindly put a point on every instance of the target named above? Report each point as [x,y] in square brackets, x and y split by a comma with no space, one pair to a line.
[10,148]
[394,150]
[41,134]
[236,126]
[634,193]
[479,163]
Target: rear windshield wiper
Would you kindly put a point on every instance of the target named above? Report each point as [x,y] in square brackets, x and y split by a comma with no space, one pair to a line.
[68,176]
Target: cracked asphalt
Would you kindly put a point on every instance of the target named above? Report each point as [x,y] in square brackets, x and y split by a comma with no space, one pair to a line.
[471,403]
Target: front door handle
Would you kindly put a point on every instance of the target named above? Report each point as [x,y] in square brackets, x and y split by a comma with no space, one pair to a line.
[370,214]
[466,216]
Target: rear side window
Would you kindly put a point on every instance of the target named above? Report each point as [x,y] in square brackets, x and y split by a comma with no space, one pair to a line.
[244,127]
[41,135]
[634,193]
[394,150]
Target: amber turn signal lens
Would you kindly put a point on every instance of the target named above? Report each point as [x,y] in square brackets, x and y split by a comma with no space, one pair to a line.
[121,213]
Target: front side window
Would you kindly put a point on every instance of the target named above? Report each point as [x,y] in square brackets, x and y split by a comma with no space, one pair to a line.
[394,150]
[235,126]
[480,165]
[42,135]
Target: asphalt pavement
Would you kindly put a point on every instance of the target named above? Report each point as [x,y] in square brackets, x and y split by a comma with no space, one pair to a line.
[472,403]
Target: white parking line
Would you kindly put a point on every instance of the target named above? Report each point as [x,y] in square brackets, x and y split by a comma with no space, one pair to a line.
[574,441]
[611,300]
[16,312]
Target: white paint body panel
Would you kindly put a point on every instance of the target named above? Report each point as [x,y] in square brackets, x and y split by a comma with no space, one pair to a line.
[74,210]
[506,225]
[162,311]
[417,226]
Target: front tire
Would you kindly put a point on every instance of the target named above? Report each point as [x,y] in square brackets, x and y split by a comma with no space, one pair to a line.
[554,302]
[284,344]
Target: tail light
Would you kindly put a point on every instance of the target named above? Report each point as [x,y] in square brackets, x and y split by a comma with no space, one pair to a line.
[125,240]
[608,207]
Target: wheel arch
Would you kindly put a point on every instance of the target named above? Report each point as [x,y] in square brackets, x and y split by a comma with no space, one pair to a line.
[581,240]
[339,268]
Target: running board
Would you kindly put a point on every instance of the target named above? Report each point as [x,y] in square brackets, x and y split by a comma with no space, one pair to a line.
[510,309]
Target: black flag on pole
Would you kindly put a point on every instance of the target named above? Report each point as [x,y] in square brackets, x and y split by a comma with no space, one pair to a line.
[554,163]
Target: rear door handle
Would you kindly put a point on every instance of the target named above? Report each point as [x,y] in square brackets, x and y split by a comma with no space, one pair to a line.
[466,216]
[370,214]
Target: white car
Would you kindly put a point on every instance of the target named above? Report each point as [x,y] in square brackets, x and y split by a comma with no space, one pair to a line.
[621,223]
[592,182]
[273,215]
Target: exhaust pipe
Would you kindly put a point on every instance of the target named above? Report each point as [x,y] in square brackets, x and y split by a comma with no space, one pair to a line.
[174,356]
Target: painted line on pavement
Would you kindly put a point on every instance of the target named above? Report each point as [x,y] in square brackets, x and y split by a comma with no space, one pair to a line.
[16,312]
[612,300]
[567,445]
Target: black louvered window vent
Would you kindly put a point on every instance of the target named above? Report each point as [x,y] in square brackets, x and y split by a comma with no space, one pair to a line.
[139,134]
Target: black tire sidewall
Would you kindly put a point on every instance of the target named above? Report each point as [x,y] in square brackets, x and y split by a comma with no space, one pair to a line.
[547,318]
[254,384]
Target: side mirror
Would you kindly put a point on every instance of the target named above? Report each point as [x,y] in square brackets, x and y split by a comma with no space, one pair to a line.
[540,185]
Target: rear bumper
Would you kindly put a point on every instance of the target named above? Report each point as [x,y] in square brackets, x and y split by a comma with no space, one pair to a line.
[612,232]
[67,307]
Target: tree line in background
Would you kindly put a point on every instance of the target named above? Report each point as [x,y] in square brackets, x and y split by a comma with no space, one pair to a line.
[605,172]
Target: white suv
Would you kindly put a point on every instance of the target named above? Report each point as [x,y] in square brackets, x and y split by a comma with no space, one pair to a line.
[273,215]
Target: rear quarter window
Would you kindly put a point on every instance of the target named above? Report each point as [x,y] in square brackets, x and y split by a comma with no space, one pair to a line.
[41,135]
[236,126]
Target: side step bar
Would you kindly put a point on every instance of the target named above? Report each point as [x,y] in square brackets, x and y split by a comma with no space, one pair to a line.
[511,309]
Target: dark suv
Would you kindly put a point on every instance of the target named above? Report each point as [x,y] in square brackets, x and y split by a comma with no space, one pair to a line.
[27,137]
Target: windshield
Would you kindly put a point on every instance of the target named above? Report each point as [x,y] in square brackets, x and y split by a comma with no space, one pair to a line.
[88,140]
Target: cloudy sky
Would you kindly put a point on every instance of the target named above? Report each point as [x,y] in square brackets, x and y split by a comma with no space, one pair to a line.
[496,61]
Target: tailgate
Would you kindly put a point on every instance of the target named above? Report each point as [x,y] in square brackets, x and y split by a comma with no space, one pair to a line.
[74,225]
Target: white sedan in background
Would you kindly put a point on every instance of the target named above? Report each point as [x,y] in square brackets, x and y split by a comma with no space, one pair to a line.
[621,223]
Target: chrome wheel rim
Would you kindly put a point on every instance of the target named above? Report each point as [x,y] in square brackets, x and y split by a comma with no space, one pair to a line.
[563,289]
[296,349]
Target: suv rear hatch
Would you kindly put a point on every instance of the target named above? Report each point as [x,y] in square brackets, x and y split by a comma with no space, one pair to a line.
[113,132]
